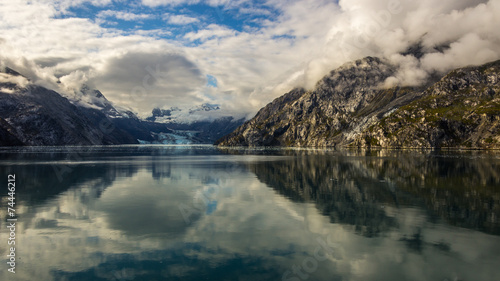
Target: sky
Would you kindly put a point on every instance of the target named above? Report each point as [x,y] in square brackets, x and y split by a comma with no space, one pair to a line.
[240,54]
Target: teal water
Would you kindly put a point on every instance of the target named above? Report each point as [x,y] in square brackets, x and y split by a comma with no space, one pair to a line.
[202,213]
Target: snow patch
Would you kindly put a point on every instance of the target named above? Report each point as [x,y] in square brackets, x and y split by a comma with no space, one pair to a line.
[204,112]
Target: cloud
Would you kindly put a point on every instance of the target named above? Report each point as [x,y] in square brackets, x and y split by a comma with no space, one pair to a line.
[17,80]
[179,19]
[465,30]
[64,5]
[123,15]
[156,3]
[31,71]
[213,3]
[211,32]
[142,80]
[470,49]
[74,80]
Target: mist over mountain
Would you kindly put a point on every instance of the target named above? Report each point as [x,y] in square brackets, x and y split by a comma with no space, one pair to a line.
[31,114]
[203,123]
[34,115]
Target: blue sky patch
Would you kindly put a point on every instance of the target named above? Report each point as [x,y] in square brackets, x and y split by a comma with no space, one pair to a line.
[211,81]
[175,22]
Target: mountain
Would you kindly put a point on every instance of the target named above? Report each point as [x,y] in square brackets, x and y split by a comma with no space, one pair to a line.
[158,115]
[198,124]
[351,107]
[461,110]
[38,116]
[34,115]
[178,115]
[93,98]
[204,107]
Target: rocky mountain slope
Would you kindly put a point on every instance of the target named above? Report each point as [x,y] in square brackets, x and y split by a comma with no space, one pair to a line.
[33,115]
[461,110]
[350,106]
[38,116]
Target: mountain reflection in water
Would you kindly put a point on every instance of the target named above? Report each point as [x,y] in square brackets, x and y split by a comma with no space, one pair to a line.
[202,213]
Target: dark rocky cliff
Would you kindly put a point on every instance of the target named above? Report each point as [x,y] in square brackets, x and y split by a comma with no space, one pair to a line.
[34,115]
[38,116]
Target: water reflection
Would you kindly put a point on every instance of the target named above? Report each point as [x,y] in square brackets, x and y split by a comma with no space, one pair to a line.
[460,188]
[177,213]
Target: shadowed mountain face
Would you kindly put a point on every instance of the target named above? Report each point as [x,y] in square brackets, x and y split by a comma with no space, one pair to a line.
[34,115]
[38,116]
[352,106]
[354,188]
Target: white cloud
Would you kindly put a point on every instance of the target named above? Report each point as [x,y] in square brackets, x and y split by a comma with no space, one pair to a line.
[17,80]
[470,49]
[123,15]
[179,19]
[156,3]
[63,5]
[142,80]
[386,28]
[212,31]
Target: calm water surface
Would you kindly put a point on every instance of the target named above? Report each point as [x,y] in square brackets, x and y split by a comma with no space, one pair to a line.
[202,213]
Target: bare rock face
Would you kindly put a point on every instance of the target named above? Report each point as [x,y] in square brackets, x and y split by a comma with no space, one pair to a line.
[349,107]
[344,102]
[461,110]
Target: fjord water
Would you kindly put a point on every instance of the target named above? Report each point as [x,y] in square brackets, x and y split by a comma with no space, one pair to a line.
[203,213]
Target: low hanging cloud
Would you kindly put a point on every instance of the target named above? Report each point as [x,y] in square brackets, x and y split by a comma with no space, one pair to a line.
[443,36]
[142,80]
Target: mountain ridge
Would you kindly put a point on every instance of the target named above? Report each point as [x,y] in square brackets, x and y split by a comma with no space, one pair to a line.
[33,115]
[349,102]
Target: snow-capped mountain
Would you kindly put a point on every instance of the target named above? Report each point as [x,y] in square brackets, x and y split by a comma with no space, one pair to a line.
[34,115]
[204,107]
[93,98]
[31,114]
[203,112]
[204,123]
